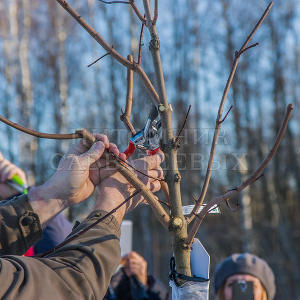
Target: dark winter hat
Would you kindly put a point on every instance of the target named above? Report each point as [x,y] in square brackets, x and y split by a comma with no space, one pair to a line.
[246,263]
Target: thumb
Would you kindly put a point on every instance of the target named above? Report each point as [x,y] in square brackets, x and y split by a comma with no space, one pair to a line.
[93,154]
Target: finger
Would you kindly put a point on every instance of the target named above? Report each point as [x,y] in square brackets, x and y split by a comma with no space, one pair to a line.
[9,172]
[93,154]
[123,156]
[128,271]
[155,186]
[154,161]
[1,156]
[19,172]
[113,149]
[6,171]
[136,267]
[156,173]
[125,257]
[3,164]
[133,255]
[137,261]
[103,138]
[22,175]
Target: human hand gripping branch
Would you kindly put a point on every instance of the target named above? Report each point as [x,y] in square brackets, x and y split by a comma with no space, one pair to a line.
[73,182]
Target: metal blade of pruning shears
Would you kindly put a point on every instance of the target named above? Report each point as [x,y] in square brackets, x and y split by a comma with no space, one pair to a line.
[146,139]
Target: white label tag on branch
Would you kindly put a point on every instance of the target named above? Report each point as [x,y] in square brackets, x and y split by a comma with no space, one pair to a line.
[187,209]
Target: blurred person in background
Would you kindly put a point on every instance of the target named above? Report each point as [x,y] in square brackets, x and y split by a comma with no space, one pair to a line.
[131,281]
[244,276]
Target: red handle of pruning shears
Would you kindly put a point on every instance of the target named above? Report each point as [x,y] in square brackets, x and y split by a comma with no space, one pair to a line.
[130,149]
[152,152]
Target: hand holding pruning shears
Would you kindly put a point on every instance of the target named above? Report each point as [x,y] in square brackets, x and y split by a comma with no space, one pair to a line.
[12,179]
[148,140]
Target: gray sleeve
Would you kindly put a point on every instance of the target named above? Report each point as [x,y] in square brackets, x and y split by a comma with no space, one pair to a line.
[81,269]
[20,227]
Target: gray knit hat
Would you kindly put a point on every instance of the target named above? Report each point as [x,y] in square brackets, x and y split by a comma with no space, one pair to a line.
[246,263]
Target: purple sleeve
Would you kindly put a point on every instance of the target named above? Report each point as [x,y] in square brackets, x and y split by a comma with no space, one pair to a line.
[54,233]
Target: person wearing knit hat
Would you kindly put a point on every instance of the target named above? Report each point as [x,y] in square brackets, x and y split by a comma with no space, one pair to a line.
[244,268]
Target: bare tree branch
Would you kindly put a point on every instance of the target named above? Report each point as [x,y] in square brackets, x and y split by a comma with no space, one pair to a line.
[114,2]
[67,136]
[155,13]
[115,54]
[230,108]
[252,178]
[125,117]
[132,3]
[183,124]
[98,59]
[246,49]
[141,44]
[219,116]
[94,33]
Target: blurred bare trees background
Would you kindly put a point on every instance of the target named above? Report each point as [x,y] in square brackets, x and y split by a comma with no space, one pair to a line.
[45,84]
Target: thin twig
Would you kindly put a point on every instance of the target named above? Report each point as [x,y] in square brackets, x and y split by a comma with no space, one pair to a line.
[141,44]
[252,178]
[125,117]
[246,49]
[127,2]
[230,207]
[98,59]
[165,203]
[219,116]
[230,108]
[183,124]
[113,2]
[76,235]
[132,3]
[93,33]
[67,136]
[155,13]
[115,54]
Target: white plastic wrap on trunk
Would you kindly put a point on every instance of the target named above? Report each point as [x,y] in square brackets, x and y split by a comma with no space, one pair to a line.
[190,291]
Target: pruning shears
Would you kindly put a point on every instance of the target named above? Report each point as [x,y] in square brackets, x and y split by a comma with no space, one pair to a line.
[146,139]
[18,184]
